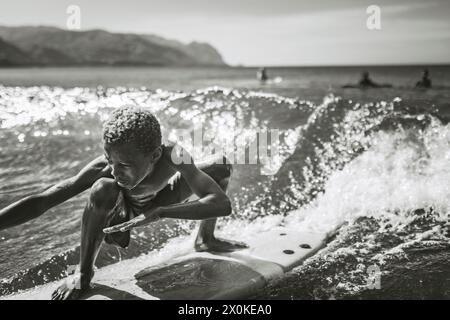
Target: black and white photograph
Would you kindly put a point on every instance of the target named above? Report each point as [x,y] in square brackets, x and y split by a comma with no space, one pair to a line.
[240,150]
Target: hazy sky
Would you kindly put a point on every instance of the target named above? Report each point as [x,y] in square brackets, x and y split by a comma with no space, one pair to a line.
[267,32]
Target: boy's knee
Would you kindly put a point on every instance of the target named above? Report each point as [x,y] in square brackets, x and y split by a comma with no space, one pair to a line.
[104,193]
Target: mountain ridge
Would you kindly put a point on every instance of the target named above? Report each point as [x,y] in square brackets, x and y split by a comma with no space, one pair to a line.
[52,46]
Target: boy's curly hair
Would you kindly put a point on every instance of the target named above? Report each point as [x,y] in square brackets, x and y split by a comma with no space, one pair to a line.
[130,124]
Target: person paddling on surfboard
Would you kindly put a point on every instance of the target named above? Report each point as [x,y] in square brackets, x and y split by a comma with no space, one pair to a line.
[425,82]
[137,181]
[366,82]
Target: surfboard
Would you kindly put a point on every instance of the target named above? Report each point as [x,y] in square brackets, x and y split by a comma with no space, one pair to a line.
[202,275]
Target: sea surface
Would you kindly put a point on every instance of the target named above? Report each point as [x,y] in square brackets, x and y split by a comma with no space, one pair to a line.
[374,162]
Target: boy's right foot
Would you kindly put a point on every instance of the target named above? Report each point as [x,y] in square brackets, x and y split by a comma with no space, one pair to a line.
[70,290]
[213,244]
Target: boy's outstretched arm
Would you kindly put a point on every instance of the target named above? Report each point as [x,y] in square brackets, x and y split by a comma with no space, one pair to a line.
[212,202]
[35,205]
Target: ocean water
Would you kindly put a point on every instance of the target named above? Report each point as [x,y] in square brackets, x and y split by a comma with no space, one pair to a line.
[375,161]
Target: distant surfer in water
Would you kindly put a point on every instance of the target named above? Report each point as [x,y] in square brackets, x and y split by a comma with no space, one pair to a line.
[425,82]
[137,181]
[261,75]
[367,82]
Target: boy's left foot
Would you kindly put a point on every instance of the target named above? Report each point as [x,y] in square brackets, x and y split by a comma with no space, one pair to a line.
[218,245]
[70,289]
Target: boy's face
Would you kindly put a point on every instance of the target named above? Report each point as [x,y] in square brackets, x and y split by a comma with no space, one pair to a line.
[129,165]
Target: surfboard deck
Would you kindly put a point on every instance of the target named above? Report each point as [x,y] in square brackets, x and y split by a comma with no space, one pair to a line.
[201,275]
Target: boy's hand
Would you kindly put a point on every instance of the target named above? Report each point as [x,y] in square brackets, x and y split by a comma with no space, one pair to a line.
[140,220]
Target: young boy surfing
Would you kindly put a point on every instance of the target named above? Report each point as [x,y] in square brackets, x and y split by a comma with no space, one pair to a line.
[137,181]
